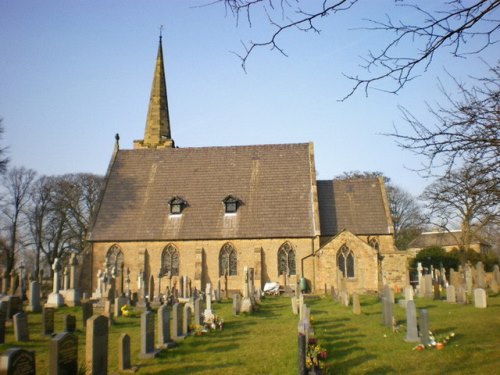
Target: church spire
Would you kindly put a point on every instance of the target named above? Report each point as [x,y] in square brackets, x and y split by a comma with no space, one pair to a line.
[157,131]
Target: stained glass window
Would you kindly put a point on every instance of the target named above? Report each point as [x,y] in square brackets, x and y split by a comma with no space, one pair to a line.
[286,260]
[345,261]
[228,262]
[170,261]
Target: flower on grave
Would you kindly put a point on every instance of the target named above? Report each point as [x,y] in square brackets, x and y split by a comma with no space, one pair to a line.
[315,355]
[213,322]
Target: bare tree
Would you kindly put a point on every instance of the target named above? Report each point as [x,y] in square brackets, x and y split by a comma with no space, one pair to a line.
[16,187]
[464,198]
[437,26]
[466,129]
[3,159]
[407,217]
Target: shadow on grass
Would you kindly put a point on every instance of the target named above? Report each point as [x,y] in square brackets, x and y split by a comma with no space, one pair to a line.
[382,370]
[195,369]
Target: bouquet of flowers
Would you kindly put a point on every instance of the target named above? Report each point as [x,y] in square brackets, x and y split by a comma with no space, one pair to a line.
[213,322]
[315,356]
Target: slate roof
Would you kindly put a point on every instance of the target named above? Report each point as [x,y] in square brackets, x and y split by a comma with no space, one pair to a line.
[273,182]
[427,239]
[357,205]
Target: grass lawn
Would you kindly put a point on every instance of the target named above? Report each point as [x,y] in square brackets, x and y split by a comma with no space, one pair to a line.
[266,342]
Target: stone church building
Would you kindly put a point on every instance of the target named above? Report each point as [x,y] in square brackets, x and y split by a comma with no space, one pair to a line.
[208,212]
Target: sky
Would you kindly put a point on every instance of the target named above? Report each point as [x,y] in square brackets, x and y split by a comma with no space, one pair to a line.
[75,73]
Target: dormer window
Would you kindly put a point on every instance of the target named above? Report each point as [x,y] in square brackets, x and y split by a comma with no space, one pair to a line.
[177,205]
[231,204]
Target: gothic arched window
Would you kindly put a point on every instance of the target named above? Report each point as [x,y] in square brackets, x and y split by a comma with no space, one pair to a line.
[345,261]
[170,261]
[114,261]
[286,260]
[228,261]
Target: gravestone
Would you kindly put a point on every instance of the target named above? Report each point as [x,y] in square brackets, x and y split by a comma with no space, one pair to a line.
[124,353]
[387,312]
[69,323]
[72,294]
[2,325]
[302,349]
[164,327]
[450,294]
[48,320]
[148,335]
[15,361]
[177,321]
[13,305]
[96,345]
[345,298]
[461,294]
[424,327]
[408,293]
[429,291]
[494,285]
[21,332]
[480,298]
[34,300]
[197,311]
[437,291]
[119,303]
[87,312]
[480,275]
[236,303]
[496,273]
[356,306]
[411,322]
[295,309]
[55,299]
[468,278]
[63,356]
[186,319]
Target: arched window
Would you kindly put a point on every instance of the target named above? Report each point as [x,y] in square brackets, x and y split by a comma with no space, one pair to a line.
[114,261]
[228,262]
[170,261]
[373,243]
[286,260]
[345,261]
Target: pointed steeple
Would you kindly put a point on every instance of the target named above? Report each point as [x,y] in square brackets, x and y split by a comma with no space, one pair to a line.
[157,131]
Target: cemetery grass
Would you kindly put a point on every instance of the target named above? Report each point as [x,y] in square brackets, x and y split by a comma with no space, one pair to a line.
[266,343]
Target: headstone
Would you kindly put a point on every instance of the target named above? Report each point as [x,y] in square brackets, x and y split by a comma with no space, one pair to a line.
[119,303]
[295,309]
[177,321]
[437,291]
[55,299]
[387,311]
[2,325]
[461,294]
[163,327]
[494,285]
[148,335]
[480,275]
[63,356]
[480,298]
[21,332]
[302,350]
[496,273]
[124,353]
[450,294]
[108,311]
[468,278]
[69,323]
[411,322]
[344,298]
[356,306]
[424,327]
[429,291]
[87,312]
[186,319]
[408,293]
[15,361]
[197,311]
[34,300]
[13,305]
[96,345]
[48,320]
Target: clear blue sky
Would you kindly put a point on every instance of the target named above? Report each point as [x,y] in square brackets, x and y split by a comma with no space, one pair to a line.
[74,73]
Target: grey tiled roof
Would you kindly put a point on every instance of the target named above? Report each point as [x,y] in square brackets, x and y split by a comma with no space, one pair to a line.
[273,182]
[355,204]
[427,239]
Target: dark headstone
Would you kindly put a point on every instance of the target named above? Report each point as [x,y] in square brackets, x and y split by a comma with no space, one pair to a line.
[48,320]
[15,361]
[2,326]
[96,345]
[124,353]
[148,335]
[163,326]
[13,305]
[63,358]
[186,318]
[69,323]
[424,327]
[87,312]
[21,332]
[176,321]
[302,347]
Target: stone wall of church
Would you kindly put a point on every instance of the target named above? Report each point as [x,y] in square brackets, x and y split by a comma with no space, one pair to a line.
[365,265]
[395,269]
[199,260]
